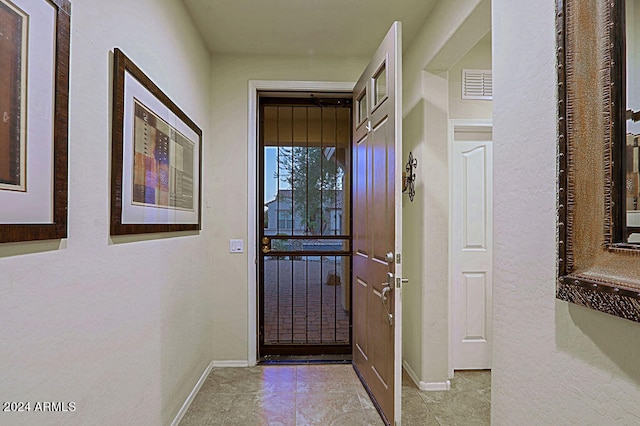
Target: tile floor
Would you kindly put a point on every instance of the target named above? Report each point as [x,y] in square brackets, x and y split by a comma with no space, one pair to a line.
[467,403]
[329,395]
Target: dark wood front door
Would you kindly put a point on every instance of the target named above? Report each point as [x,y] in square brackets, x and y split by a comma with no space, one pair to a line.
[377,228]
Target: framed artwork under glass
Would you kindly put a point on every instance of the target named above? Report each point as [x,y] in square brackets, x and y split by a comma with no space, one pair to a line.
[34,93]
[156,157]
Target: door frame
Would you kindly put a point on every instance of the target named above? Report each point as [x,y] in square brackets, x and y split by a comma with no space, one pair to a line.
[480,125]
[252,175]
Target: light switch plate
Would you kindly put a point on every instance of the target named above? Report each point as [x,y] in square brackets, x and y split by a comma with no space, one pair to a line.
[236,246]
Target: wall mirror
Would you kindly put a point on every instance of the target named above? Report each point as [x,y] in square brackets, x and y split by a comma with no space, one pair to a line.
[631,195]
[598,155]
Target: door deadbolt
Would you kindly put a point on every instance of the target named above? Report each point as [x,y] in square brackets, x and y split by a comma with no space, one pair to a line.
[266,245]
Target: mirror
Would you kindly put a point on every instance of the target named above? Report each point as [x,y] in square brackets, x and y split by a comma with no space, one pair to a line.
[599,155]
[632,116]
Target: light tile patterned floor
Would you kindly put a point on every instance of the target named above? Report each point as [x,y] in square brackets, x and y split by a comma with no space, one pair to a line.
[329,395]
[468,403]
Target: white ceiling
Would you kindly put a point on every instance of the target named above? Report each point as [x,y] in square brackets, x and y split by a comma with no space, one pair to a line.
[304,27]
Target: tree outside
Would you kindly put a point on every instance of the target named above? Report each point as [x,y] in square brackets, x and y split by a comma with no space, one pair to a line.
[316,180]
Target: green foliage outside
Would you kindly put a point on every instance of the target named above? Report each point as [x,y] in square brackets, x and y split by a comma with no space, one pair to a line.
[314,180]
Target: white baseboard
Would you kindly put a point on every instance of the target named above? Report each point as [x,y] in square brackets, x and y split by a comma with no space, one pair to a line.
[426,386]
[435,386]
[412,374]
[232,363]
[192,395]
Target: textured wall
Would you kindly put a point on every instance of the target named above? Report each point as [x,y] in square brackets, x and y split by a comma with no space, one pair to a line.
[122,328]
[427,107]
[554,363]
[229,116]
[413,247]
[479,57]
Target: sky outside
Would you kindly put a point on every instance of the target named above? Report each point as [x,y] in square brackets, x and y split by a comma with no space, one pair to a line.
[270,168]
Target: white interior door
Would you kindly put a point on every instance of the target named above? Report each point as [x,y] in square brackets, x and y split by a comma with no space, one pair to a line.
[377,227]
[472,249]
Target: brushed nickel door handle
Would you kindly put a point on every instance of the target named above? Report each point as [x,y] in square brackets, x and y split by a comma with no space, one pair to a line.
[388,288]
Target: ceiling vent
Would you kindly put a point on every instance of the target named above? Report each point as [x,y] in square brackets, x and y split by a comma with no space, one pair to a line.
[477,84]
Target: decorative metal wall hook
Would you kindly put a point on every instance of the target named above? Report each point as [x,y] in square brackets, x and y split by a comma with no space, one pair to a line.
[409,177]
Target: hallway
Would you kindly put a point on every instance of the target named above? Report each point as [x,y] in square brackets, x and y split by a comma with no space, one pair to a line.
[329,395]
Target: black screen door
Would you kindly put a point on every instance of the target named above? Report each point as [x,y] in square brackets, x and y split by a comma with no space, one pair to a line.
[304,226]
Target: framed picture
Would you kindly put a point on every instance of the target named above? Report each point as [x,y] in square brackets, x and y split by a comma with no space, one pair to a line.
[34,105]
[156,162]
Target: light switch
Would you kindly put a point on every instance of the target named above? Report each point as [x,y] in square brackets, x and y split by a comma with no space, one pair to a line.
[236,246]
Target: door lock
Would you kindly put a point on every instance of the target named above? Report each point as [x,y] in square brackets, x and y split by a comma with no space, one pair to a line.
[389,258]
[266,245]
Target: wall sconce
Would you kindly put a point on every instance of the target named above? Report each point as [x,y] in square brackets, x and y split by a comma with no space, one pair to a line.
[409,177]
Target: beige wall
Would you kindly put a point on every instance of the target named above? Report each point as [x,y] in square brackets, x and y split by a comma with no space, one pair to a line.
[479,57]
[121,328]
[230,77]
[125,328]
[413,247]
[446,43]
[554,363]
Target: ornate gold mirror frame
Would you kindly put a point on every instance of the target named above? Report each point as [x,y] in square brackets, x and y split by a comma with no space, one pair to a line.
[596,267]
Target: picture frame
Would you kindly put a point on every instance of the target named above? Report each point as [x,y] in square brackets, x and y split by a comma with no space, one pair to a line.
[34,104]
[597,267]
[156,161]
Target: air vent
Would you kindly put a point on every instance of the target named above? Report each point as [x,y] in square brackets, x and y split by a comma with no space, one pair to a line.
[477,84]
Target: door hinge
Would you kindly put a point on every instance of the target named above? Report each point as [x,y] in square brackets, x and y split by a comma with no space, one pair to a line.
[398,258]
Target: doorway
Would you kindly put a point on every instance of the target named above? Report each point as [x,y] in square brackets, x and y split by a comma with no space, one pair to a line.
[304,226]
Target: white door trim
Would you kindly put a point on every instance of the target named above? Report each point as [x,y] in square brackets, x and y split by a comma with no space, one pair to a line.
[469,125]
[252,193]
